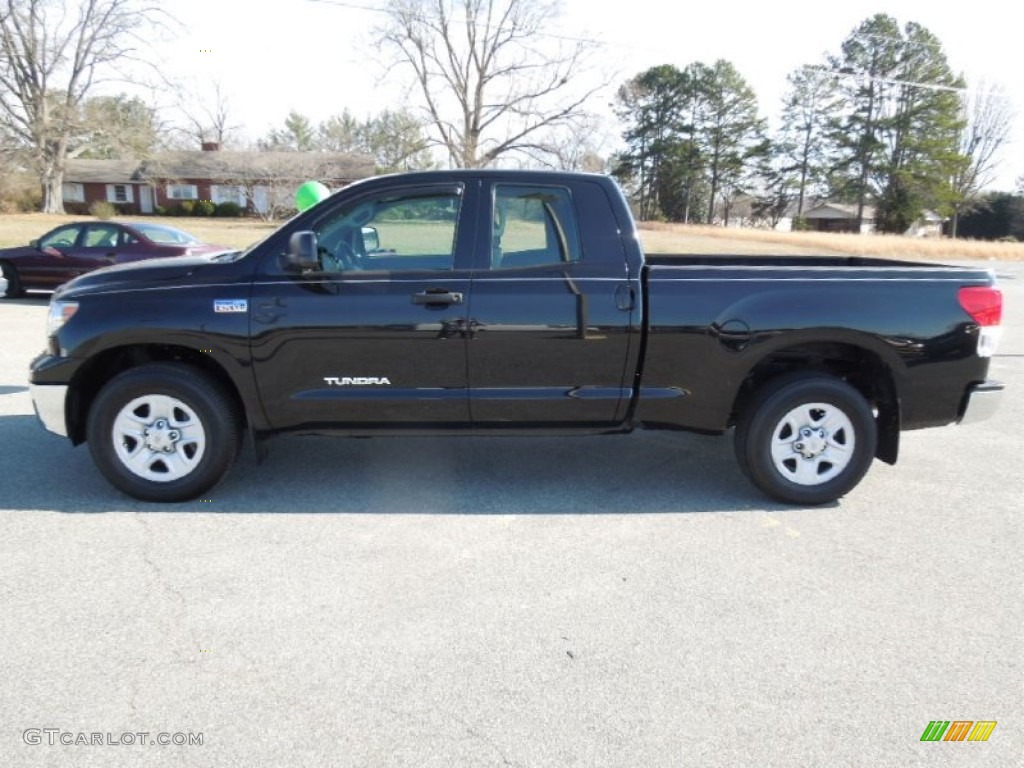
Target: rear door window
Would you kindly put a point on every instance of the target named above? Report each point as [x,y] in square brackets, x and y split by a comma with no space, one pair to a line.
[533,226]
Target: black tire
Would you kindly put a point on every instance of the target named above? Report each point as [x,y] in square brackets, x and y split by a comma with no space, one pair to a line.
[163,432]
[14,288]
[813,467]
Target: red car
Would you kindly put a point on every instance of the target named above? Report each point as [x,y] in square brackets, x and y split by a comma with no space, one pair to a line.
[74,249]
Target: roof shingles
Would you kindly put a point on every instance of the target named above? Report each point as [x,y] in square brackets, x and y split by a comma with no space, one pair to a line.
[232,167]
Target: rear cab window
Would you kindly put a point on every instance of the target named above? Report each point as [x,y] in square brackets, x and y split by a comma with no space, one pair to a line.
[533,226]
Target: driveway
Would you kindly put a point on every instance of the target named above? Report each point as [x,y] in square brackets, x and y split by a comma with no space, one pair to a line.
[625,601]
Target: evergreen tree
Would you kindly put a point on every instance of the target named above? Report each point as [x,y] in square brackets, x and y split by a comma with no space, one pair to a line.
[397,142]
[730,133]
[898,139]
[116,127]
[802,156]
[340,133]
[297,135]
[651,104]
[691,135]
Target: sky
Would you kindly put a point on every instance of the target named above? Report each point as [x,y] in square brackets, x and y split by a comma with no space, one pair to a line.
[318,57]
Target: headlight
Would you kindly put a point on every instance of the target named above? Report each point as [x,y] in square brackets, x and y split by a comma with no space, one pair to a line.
[60,313]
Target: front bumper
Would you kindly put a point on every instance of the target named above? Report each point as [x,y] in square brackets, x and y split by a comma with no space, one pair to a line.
[50,401]
[980,402]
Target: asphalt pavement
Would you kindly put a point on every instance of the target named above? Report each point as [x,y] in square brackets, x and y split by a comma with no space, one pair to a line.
[615,601]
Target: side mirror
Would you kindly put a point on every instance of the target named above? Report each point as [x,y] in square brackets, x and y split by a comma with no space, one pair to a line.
[371,239]
[302,252]
[33,243]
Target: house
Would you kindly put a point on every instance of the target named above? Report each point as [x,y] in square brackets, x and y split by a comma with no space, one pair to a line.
[255,181]
[115,181]
[840,217]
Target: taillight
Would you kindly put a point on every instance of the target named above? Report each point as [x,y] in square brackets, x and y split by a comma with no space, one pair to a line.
[985,306]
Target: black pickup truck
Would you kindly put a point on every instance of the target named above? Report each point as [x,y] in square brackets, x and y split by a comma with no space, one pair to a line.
[492,302]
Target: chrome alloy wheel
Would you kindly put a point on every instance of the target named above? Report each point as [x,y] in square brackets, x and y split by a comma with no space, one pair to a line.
[158,438]
[813,443]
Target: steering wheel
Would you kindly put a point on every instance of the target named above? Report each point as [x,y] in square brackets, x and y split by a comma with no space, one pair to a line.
[342,259]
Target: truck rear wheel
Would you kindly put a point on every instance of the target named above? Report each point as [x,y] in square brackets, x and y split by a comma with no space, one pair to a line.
[163,432]
[806,438]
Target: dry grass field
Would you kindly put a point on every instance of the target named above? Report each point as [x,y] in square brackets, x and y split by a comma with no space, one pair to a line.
[18,229]
[694,238]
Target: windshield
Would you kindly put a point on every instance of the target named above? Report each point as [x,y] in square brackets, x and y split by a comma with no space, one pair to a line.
[167,235]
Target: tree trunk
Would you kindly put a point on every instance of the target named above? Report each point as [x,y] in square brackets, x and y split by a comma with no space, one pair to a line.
[53,193]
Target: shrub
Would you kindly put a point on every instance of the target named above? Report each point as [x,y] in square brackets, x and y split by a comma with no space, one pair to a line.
[160,211]
[19,191]
[101,209]
[186,208]
[205,208]
[228,210]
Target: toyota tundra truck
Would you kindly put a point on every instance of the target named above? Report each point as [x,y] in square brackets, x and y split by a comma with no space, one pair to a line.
[508,302]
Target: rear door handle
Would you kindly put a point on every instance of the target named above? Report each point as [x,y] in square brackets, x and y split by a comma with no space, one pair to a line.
[438,296]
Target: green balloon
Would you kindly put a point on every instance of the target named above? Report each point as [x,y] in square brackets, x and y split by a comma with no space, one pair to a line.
[309,194]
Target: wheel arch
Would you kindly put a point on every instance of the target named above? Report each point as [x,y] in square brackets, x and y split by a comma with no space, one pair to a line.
[866,370]
[104,366]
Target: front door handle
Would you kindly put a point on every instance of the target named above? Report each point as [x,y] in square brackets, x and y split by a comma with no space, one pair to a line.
[437,296]
[625,298]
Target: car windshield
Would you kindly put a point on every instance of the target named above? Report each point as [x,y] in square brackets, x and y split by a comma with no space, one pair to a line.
[159,234]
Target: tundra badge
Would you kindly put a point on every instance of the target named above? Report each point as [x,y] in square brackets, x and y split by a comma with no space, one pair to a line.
[358,381]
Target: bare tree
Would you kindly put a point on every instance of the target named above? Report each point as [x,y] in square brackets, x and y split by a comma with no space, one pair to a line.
[491,80]
[580,148]
[987,117]
[208,119]
[52,52]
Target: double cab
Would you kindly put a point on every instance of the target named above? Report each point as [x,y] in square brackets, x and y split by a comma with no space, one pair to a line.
[509,302]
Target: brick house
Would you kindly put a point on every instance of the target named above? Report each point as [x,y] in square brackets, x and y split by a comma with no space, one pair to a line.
[115,181]
[255,181]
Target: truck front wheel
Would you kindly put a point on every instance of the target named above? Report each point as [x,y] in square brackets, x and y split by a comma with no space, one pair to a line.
[163,432]
[806,438]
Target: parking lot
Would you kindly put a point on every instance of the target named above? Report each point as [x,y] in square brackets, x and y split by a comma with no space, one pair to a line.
[622,601]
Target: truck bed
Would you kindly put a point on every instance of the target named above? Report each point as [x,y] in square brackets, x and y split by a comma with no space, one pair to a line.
[694,260]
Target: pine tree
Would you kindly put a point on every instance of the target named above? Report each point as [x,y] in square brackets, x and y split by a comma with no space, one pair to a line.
[651,105]
[730,133]
[898,137]
[802,149]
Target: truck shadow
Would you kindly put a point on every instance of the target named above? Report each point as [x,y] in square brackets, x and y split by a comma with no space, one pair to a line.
[642,473]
